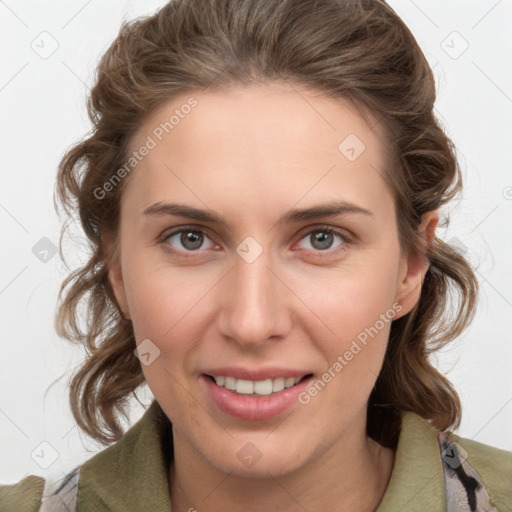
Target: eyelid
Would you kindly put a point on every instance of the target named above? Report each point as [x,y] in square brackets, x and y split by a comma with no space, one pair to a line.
[344,233]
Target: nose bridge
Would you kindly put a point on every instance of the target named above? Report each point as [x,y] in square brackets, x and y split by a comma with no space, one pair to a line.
[252,307]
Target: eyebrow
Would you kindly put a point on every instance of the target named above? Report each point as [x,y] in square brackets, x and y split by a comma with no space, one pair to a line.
[294,215]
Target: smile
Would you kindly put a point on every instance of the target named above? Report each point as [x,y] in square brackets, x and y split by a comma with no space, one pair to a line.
[260,387]
[254,400]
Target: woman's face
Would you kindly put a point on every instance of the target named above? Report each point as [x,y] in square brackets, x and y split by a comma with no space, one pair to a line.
[268,287]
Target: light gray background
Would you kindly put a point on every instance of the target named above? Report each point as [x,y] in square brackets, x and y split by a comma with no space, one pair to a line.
[42,103]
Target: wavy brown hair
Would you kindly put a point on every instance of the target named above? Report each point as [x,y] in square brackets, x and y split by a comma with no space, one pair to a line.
[359,51]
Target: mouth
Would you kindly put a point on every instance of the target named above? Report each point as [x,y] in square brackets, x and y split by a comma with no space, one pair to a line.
[257,388]
[254,400]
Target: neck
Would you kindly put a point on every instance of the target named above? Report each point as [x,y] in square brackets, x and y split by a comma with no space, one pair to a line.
[348,477]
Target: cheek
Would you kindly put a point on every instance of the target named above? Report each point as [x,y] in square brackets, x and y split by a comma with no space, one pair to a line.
[355,297]
[354,357]
[168,306]
[358,306]
[163,307]
[160,296]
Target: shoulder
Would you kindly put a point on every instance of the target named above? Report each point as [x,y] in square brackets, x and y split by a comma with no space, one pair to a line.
[36,494]
[24,496]
[477,469]
[136,457]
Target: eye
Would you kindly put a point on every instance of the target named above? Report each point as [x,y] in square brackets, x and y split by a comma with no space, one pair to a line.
[187,240]
[192,240]
[322,239]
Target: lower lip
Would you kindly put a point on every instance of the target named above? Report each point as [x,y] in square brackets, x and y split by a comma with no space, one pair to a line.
[254,408]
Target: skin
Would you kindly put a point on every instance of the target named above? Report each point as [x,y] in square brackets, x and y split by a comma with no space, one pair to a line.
[251,154]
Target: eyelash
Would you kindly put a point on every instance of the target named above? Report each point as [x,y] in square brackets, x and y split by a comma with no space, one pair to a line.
[346,239]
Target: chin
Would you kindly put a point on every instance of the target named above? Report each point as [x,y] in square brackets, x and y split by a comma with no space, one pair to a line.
[258,458]
[273,467]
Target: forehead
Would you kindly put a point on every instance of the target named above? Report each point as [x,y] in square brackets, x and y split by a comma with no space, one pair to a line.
[259,138]
[259,109]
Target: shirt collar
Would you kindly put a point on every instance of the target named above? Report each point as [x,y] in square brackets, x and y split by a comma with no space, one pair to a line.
[133,473]
[417,479]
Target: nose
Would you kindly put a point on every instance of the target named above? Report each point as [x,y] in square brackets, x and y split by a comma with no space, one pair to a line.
[255,304]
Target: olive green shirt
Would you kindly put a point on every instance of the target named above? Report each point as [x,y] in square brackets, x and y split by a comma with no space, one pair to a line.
[132,474]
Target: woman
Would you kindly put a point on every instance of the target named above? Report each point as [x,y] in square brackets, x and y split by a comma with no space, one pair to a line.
[261,191]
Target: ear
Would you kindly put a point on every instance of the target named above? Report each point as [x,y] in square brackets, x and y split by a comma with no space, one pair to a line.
[414,266]
[115,274]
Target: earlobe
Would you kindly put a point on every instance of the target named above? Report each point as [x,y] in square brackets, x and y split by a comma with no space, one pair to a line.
[414,267]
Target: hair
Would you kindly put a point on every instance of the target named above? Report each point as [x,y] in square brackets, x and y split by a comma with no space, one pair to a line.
[360,51]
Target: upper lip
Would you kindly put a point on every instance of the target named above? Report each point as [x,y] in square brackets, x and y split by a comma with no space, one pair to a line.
[255,374]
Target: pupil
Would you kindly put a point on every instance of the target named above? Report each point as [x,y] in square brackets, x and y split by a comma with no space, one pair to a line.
[324,239]
[191,239]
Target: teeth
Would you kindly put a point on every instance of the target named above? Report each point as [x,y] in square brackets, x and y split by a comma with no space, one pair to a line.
[245,387]
[289,382]
[229,383]
[278,384]
[260,387]
[263,387]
